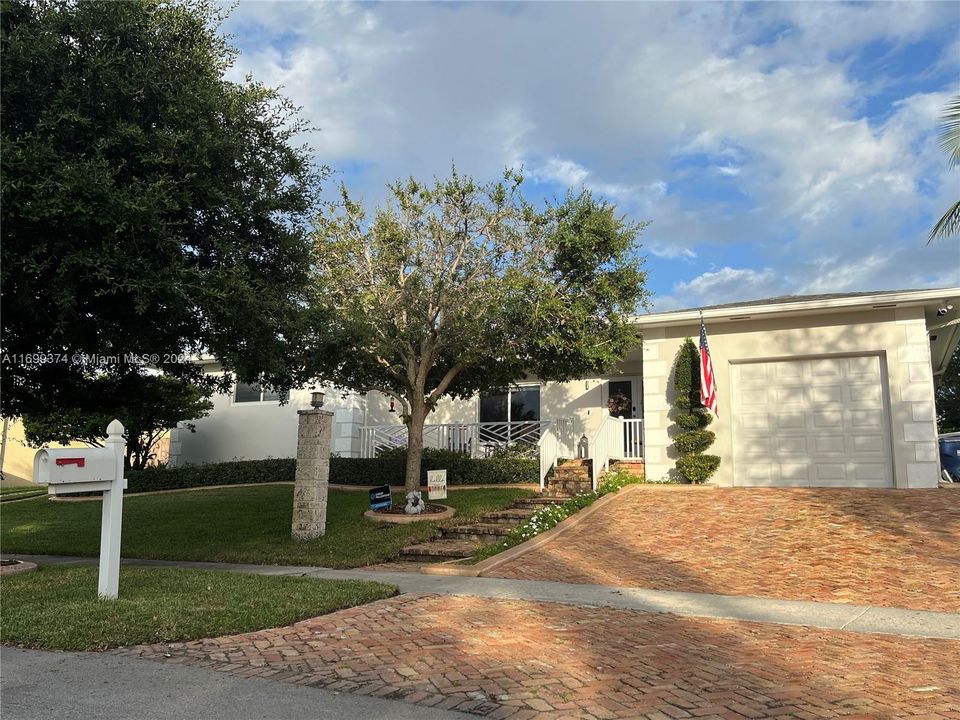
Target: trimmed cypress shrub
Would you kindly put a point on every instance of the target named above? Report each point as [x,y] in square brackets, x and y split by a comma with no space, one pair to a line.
[692,418]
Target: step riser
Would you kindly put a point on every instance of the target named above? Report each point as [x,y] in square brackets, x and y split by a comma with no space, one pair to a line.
[474,537]
[568,489]
[424,558]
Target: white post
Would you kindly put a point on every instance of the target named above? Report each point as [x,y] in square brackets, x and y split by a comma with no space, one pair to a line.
[108,584]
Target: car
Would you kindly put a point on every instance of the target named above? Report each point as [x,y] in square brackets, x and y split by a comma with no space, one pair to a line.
[950,456]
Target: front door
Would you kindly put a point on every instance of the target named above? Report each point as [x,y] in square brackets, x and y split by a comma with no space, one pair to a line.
[622,403]
[620,398]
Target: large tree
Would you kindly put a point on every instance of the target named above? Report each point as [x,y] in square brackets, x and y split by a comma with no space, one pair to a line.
[949,224]
[948,396]
[149,404]
[455,288]
[150,207]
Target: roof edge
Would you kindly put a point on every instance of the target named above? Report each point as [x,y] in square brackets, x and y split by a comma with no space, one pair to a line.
[898,298]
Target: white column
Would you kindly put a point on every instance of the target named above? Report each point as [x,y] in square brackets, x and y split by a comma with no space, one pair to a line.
[108,582]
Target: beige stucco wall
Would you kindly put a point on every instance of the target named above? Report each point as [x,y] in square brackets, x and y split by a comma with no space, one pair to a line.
[580,400]
[898,336]
[256,431]
[18,456]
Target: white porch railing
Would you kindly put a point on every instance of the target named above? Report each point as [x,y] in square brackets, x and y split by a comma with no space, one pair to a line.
[632,439]
[476,439]
[606,443]
[615,439]
[556,441]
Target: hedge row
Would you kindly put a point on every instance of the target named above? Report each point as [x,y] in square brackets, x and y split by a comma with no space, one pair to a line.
[386,470]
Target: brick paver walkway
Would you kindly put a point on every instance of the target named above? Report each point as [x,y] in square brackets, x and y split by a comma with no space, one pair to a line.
[893,548]
[517,659]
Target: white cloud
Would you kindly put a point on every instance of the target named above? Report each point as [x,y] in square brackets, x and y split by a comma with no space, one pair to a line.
[671,252]
[613,97]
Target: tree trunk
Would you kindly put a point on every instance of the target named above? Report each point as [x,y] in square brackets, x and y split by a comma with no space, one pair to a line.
[418,416]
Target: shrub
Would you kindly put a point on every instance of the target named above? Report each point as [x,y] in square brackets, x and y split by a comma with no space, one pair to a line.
[388,469]
[693,421]
[238,472]
[613,481]
[694,441]
[692,418]
[698,468]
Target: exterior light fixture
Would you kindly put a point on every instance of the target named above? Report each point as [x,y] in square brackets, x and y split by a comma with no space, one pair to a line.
[392,408]
[316,399]
[583,447]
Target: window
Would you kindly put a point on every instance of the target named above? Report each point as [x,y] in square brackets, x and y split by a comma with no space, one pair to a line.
[516,405]
[253,392]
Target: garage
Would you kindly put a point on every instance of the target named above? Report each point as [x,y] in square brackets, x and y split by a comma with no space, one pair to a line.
[819,422]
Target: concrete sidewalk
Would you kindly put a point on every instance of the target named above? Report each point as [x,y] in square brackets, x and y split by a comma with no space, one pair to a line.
[832,616]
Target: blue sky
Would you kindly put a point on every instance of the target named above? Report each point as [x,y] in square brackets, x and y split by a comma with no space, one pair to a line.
[775,147]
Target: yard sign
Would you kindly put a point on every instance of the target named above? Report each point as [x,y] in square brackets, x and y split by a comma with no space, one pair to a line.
[436,484]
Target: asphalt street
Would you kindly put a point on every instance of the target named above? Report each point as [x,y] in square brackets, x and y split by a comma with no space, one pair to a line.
[39,685]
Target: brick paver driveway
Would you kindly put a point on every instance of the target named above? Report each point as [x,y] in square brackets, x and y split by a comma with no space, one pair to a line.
[517,659]
[898,548]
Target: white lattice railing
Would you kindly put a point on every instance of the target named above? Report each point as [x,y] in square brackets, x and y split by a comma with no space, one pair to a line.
[547,439]
[476,439]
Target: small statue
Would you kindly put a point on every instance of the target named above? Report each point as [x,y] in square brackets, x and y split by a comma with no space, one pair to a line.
[414,503]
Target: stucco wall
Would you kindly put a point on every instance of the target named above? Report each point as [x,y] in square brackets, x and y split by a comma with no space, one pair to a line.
[898,336]
[256,431]
[18,456]
[579,399]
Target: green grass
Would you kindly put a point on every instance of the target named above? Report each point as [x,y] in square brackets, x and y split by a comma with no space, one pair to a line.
[58,609]
[20,492]
[243,524]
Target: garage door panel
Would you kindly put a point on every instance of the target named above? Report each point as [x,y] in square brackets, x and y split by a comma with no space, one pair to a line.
[823,419]
[816,422]
[791,420]
[826,395]
[829,445]
[869,445]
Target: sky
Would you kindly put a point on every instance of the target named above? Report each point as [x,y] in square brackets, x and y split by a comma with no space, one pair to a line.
[775,148]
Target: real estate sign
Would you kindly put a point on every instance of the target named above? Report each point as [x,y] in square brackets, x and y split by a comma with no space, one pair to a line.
[380,498]
[436,484]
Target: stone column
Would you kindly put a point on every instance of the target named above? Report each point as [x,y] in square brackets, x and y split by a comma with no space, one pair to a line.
[313,474]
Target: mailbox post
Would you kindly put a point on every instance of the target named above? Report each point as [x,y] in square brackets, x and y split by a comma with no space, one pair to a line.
[76,470]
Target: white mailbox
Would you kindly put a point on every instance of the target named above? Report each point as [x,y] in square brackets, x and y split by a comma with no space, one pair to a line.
[84,467]
[77,470]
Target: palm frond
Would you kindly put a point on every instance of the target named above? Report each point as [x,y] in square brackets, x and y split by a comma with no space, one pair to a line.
[950,130]
[948,225]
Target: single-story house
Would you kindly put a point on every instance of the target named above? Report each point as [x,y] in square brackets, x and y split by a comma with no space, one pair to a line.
[822,390]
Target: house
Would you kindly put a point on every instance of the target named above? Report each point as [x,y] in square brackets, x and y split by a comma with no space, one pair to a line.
[824,391]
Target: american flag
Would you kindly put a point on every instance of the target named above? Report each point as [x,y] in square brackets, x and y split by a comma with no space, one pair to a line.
[708,386]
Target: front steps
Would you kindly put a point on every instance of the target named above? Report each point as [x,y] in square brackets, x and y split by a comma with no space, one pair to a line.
[634,466]
[569,478]
[460,541]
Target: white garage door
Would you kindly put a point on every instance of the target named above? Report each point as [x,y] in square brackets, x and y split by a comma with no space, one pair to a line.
[817,423]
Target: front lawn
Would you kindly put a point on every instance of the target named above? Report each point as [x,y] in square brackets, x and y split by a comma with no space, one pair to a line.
[57,608]
[20,492]
[241,524]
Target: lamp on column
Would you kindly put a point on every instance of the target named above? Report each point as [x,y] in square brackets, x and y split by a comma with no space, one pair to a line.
[316,399]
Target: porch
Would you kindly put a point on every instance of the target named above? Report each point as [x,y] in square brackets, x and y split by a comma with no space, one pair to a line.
[548,440]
